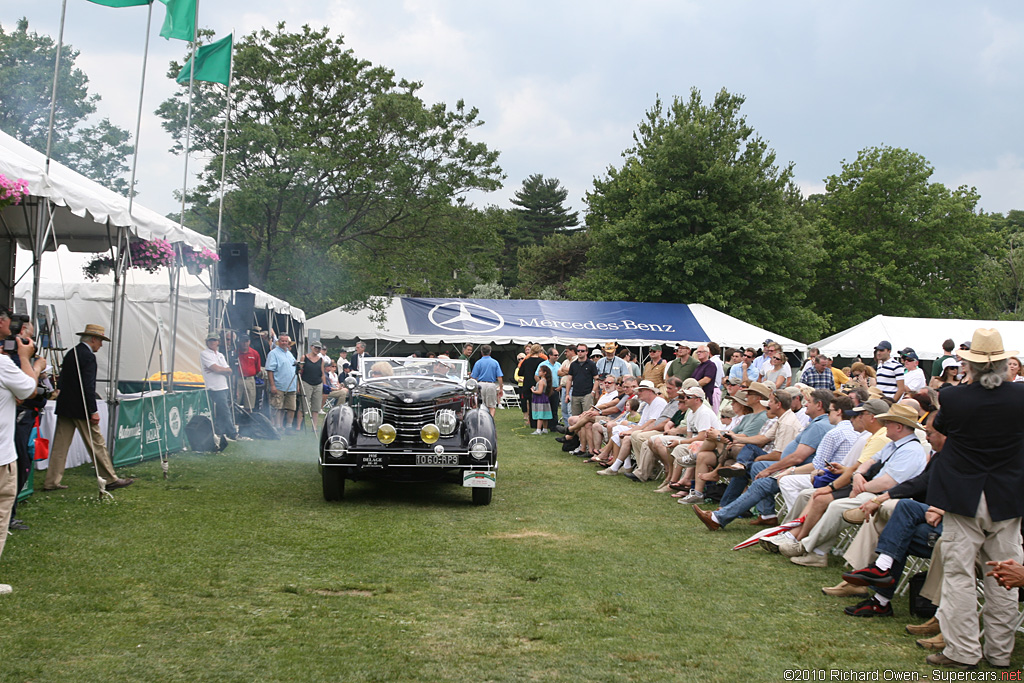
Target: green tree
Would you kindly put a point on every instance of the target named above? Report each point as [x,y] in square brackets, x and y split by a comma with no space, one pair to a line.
[98,150]
[699,212]
[1002,279]
[331,155]
[539,212]
[899,244]
[547,268]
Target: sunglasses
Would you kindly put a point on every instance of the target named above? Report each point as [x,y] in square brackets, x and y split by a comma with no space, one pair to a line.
[750,357]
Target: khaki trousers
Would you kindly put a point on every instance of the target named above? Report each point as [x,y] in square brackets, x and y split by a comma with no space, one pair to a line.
[247,392]
[8,492]
[861,552]
[63,434]
[965,539]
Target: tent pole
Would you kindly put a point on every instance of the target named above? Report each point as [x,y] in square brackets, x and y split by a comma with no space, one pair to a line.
[175,275]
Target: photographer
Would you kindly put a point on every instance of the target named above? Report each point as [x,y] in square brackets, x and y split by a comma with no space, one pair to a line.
[18,378]
[27,415]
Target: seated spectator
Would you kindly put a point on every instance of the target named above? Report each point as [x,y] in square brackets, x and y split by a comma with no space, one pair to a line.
[778,371]
[862,375]
[620,433]
[744,371]
[913,376]
[949,375]
[902,459]
[700,420]
[608,406]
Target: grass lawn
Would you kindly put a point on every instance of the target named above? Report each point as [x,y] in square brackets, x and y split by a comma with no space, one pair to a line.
[235,569]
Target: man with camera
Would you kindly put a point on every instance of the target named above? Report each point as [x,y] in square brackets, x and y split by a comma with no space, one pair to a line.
[27,413]
[18,378]
[77,412]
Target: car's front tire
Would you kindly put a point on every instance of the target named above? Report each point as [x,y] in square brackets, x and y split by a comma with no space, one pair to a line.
[334,483]
[482,496]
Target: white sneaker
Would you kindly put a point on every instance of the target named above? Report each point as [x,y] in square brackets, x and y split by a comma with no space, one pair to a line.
[575,451]
[543,431]
[694,498]
[625,470]
[536,431]
[607,471]
[792,549]
[5,589]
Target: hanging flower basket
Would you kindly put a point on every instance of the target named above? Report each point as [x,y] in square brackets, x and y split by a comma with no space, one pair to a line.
[12,191]
[196,261]
[100,265]
[150,255]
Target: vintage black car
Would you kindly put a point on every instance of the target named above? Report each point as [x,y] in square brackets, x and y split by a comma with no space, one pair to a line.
[410,420]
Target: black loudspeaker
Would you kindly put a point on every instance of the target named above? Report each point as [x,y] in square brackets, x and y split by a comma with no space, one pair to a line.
[233,267]
[241,313]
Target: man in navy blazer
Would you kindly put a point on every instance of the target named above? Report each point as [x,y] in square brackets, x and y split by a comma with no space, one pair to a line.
[77,412]
[978,483]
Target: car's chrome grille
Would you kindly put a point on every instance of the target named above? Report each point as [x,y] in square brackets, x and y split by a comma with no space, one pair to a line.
[408,419]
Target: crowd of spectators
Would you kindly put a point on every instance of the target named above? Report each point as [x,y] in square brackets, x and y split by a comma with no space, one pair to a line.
[807,454]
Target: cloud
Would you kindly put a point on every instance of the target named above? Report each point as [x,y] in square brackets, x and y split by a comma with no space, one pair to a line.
[1002,187]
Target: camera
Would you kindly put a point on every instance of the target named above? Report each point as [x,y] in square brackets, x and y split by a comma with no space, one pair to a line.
[10,345]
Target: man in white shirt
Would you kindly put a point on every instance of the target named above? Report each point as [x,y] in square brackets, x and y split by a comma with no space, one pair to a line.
[913,378]
[215,375]
[655,405]
[18,380]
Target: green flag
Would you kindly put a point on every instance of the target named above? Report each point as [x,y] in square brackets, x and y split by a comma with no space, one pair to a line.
[121,3]
[213,63]
[180,21]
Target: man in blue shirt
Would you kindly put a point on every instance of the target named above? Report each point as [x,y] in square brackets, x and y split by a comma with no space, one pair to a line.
[488,373]
[282,381]
[765,485]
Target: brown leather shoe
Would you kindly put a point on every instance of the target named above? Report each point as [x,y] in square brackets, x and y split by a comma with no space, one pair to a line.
[846,590]
[939,659]
[759,521]
[937,643]
[928,628]
[120,483]
[55,487]
[705,516]
[854,516]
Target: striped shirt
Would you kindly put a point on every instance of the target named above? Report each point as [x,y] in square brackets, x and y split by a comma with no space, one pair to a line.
[887,374]
[835,445]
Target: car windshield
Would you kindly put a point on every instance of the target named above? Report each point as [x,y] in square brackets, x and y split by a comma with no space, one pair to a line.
[441,368]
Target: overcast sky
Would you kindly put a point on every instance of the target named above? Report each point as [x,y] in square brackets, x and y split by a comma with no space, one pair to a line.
[562,85]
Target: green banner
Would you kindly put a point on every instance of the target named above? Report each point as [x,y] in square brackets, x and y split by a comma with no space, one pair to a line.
[149,426]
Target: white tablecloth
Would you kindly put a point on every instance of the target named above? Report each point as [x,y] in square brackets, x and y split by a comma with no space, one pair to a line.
[77,454]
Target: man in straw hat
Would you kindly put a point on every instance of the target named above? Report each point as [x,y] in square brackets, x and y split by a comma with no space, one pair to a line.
[978,482]
[77,412]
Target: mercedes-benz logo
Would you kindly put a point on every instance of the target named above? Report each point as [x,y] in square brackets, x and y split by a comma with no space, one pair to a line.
[468,317]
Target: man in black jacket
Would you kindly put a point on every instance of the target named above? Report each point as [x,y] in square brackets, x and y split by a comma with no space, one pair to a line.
[77,412]
[978,482]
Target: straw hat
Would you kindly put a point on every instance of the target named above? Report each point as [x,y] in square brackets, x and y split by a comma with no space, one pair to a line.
[904,415]
[95,331]
[986,346]
[610,346]
[760,389]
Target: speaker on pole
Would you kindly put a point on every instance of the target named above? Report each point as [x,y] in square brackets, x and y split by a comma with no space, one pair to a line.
[233,267]
[241,312]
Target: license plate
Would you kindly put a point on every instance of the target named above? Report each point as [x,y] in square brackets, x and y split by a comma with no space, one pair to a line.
[436,459]
[479,478]
[374,461]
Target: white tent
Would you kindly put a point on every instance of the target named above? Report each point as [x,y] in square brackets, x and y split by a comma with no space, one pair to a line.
[924,335]
[88,214]
[79,301]
[573,320]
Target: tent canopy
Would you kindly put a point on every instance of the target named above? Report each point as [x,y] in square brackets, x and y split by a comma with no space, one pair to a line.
[503,321]
[924,335]
[86,215]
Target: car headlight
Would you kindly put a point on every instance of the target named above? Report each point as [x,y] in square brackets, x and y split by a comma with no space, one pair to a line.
[386,434]
[430,433]
[351,382]
[471,384]
[372,419]
[337,446]
[479,448]
[446,421]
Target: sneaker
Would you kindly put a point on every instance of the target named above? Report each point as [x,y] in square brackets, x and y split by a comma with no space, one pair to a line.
[245,438]
[575,451]
[854,516]
[939,659]
[771,543]
[869,608]
[5,589]
[695,498]
[846,590]
[18,524]
[625,470]
[792,549]
[870,576]
[543,431]
[810,560]
[607,470]
[536,432]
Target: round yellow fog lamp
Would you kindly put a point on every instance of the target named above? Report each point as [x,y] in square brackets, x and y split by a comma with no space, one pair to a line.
[430,433]
[386,433]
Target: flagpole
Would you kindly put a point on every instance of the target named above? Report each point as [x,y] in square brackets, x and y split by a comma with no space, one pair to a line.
[121,267]
[184,190]
[43,224]
[214,274]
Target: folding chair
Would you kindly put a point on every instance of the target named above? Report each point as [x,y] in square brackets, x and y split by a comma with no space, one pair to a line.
[509,397]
